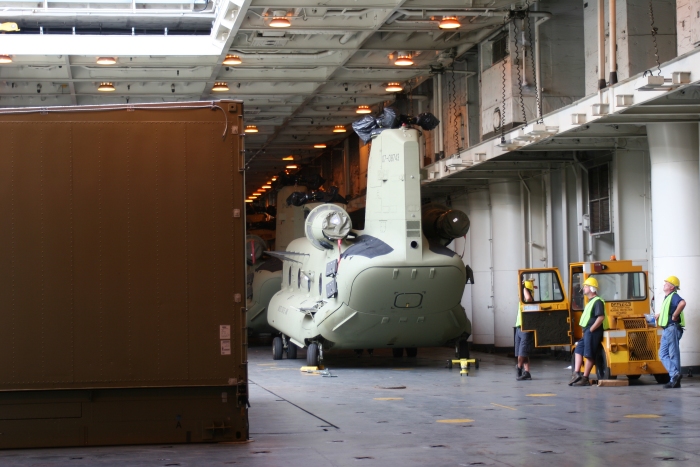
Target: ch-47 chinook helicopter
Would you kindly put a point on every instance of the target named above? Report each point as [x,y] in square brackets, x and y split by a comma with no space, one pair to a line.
[296,196]
[392,285]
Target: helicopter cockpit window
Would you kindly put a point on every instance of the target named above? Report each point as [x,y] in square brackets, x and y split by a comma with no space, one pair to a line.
[547,286]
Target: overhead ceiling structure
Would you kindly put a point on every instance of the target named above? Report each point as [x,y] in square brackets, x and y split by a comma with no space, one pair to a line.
[614,118]
[298,81]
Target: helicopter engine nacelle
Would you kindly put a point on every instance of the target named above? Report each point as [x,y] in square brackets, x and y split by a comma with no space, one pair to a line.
[327,224]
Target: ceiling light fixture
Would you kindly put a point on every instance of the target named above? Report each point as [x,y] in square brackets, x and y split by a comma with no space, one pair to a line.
[106,60]
[5,59]
[339,129]
[106,87]
[291,167]
[394,87]
[404,59]
[363,109]
[220,87]
[279,19]
[274,178]
[251,129]
[320,146]
[267,187]
[249,201]
[288,158]
[449,22]
[232,60]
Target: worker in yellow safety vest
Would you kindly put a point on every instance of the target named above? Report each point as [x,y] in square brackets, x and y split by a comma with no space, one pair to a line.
[523,340]
[593,321]
[671,318]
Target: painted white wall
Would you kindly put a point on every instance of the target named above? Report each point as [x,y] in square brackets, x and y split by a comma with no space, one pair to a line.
[480,257]
[687,25]
[675,187]
[508,256]
[633,229]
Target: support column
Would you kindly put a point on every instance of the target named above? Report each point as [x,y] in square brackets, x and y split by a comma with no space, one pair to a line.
[675,196]
[480,253]
[508,256]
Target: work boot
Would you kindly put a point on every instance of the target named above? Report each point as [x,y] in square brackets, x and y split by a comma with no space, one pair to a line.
[674,383]
[575,378]
[518,372]
[525,376]
[582,382]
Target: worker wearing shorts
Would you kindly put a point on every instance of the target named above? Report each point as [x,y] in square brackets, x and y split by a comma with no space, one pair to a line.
[523,339]
[594,322]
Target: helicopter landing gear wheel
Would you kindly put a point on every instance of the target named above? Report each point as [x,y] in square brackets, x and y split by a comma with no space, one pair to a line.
[312,354]
[277,348]
[292,351]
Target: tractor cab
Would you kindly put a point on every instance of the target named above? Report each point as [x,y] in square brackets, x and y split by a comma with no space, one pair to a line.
[630,346]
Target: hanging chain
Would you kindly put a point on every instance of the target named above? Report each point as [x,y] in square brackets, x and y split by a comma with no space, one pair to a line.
[654,30]
[454,108]
[534,65]
[503,90]
[516,63]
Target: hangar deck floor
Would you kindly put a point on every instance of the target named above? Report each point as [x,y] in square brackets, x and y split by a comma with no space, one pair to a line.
[437,418]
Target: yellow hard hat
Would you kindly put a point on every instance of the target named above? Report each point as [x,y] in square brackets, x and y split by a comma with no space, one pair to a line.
[674,281]
[591,281]
[529,285]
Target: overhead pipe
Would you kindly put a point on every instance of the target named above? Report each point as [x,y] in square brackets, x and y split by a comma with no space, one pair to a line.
[601,44]
[613,42]
[538,63]
[441,127]
[529,219]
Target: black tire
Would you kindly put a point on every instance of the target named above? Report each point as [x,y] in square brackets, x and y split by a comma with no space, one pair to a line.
[449,364]
[397,352]
[312,354]
[601,365]
[662,378]
[292,351]
[463,349]
[411,352]
[633,377]
[277,348]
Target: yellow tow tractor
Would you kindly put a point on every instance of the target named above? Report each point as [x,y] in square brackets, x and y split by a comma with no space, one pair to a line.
[630,347]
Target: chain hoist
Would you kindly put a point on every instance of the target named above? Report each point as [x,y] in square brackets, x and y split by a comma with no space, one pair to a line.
[516,64]
[454,108]
[503,86]
[654,31]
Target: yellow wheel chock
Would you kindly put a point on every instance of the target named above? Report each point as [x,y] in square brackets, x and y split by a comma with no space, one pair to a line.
[463,364]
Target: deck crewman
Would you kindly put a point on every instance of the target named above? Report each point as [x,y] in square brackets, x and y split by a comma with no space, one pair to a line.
[593,321]
[523,340]
[672,320]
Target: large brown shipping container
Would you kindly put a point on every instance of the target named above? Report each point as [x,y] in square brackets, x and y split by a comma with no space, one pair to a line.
[122,275]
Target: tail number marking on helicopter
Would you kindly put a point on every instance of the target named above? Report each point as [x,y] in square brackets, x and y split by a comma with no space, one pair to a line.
[390,157]
[282,310]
